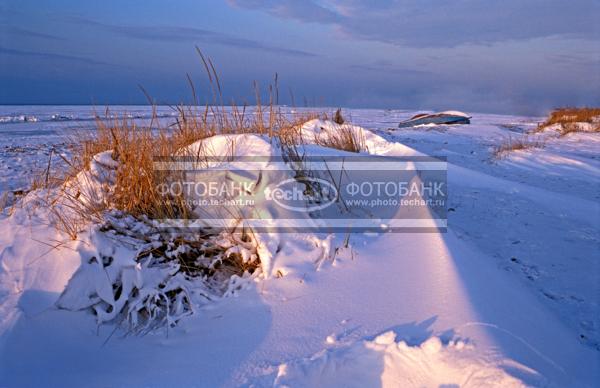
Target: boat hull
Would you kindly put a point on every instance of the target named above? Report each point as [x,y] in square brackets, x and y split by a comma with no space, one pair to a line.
[435,119]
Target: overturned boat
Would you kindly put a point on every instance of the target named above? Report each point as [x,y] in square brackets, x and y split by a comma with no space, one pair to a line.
[447,117]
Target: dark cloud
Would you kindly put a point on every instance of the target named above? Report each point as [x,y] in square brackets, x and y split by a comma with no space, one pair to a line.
[306,11]
[512,56]
[586,62]
[189,34]
[22,32]
[434,23]
[385,67]
[44,55]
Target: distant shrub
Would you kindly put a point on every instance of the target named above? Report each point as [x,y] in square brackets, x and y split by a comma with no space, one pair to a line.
[573,120]
[515,145]
[338,118]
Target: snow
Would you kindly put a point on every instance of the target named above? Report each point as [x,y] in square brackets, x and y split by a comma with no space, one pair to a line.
[316,129]
[386,362]
[507,297]
[455,113]
[31,275]
[238,171]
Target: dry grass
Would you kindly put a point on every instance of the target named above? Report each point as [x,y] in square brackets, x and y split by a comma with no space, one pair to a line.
[343,138]
[4,200]
[510,145]
[135,148]
[568,119]
[337,117]
[136,183]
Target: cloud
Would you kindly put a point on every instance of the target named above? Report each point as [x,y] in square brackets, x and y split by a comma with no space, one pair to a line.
[589,61]
[189,34]
[434,23]
[63,57]
[306,11]
[385,67]
[18,31]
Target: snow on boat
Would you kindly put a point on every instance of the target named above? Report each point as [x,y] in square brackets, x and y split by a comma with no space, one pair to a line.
[447,117]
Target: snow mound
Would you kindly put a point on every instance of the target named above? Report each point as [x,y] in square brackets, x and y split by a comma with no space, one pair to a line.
[584,127]
[244,159]
[90,190]
[314,130]
[241,159]
[388,363]
[558,129]
[232,146]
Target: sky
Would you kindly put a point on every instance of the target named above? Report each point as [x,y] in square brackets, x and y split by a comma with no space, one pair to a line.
[510,56]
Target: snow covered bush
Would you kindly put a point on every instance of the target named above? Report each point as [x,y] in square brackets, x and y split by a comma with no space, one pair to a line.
[145,279]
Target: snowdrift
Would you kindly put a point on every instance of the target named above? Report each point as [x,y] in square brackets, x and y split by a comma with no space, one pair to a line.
[390,363]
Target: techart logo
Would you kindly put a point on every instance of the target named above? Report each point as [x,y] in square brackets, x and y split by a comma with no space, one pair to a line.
[303,194]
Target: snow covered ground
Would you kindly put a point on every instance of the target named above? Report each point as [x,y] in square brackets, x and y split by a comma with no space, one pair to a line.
[507,297]
[28,134]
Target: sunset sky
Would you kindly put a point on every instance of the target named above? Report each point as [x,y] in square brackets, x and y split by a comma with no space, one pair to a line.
[512,56]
